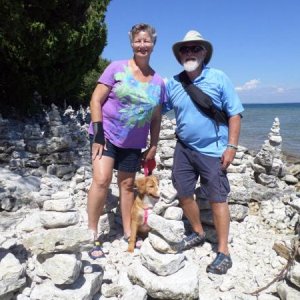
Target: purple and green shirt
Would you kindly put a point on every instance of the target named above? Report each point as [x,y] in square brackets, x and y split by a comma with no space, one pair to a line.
[128,109]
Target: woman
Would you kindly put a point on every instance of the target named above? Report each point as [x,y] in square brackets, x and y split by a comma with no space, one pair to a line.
[125,106]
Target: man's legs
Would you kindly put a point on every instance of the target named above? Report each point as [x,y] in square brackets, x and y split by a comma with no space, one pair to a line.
[221,217]
[184,178]
[126,184]
[192,212]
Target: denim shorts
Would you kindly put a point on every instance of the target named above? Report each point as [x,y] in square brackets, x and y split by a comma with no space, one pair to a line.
[126,159]
[189,165]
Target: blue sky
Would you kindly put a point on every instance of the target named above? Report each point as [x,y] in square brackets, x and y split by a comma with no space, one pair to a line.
[256,42]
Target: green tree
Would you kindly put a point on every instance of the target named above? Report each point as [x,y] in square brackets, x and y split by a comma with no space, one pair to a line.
[89,81]
[47,48]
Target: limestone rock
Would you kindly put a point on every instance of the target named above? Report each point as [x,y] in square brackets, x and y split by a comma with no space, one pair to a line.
[62,268]
[183,285]
[171,230]
[11,274]
[70,239]
[161,263]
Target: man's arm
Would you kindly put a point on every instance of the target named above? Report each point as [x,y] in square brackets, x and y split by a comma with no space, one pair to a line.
[234,127]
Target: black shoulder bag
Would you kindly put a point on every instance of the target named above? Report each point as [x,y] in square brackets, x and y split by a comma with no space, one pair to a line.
[202,100]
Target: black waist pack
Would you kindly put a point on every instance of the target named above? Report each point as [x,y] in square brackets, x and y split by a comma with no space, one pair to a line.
[202,100]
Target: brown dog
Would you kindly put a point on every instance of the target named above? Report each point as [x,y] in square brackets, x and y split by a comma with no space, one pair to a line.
[147,196]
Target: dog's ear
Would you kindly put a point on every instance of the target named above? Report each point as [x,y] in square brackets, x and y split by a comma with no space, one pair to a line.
[140,184]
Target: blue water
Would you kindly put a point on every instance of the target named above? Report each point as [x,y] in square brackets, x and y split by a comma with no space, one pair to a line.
[258,120]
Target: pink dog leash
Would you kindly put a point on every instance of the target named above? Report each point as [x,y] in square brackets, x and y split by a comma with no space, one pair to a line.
[149,166]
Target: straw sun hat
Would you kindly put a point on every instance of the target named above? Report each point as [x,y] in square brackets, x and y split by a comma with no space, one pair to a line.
[194,36]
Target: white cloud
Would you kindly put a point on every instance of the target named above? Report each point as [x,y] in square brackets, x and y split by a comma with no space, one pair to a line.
[249,85]
[280,90]
[254,91]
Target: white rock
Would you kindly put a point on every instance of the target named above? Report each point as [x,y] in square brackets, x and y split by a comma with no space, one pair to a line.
[61,205]
[173,213]
[161,263]
[54,219]
[178,286]
[62,268]
[11,274]
[171,230]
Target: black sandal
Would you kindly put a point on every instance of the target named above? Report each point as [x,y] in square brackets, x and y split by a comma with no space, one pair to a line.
[220,265]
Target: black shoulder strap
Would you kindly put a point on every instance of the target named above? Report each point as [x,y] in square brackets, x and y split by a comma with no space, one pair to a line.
[202,100]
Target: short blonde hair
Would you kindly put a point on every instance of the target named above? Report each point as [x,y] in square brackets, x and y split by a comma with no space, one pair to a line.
[142,27]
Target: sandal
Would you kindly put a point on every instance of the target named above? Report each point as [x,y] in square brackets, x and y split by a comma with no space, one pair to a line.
[138,243]
[193,240]
[97,248]
[220,265]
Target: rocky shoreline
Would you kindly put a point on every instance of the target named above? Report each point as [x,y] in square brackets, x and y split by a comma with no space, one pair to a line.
[45,173]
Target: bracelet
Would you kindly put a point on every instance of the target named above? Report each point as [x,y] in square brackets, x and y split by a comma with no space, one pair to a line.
[232,146]
[98,133]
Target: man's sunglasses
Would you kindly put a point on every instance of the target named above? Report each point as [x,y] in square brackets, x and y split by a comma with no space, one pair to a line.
[187,49]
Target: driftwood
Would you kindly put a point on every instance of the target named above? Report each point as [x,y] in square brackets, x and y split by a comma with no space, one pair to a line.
[282,249]
[285,252]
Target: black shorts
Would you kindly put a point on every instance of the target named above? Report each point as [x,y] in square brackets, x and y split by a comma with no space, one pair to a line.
[189,164]
[126,159]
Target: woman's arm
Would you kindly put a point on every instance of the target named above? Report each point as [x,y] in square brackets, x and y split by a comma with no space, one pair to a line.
[154,133]
[99,96]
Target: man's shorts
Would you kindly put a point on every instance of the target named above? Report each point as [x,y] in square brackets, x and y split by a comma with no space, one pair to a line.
[189,164]
[126,159]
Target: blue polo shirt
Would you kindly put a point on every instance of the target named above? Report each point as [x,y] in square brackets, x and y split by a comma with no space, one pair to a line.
[194,128]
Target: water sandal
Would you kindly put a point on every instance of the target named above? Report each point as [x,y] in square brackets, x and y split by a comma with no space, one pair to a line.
[138,243]
[193,240]
[97,248]
[220,265]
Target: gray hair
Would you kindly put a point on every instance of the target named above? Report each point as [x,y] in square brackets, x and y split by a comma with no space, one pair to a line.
[142,27]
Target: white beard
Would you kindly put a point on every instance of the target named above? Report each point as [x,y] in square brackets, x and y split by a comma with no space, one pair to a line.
[191,65]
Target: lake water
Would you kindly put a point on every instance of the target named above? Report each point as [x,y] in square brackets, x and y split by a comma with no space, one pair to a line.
[258,120]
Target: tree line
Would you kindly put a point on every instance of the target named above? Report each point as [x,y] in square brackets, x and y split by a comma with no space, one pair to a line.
[50,53]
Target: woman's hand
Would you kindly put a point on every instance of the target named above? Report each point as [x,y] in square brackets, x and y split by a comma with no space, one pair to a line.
[97,150]
[149,153]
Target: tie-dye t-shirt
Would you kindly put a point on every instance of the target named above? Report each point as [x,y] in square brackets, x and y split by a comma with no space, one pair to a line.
[128,109]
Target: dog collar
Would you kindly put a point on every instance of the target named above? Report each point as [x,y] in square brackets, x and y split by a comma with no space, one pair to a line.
[146,214]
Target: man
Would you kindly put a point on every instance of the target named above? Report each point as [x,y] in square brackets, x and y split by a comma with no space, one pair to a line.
[205,147]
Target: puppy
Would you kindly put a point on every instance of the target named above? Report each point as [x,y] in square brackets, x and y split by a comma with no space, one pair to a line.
[147,196]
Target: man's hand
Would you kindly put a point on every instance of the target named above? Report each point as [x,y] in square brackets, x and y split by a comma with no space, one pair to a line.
[227,157]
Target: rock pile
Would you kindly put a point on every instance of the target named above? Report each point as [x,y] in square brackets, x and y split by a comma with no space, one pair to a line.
[56,264]
[163,269]
[43,237]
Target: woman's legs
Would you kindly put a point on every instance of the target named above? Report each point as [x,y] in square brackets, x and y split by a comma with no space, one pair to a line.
[102,175]
[126,184]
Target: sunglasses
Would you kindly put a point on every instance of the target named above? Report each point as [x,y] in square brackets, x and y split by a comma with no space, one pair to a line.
[187,49]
